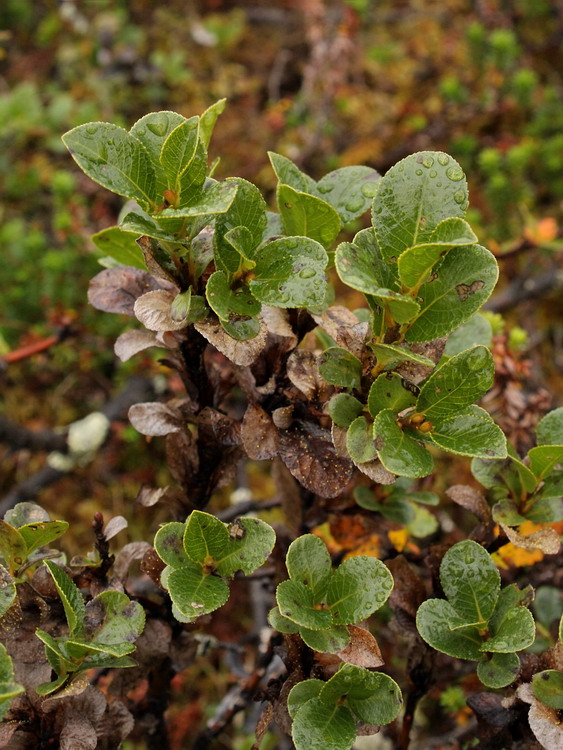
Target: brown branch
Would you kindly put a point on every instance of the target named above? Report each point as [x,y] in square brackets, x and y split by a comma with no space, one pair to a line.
[20,438]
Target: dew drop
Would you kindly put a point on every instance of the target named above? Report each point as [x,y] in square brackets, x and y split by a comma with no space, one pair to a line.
[91,129]
[326,188]
[427,161]
[454,173]
[158,126]
[433,173]
[459,196]
[443,159]
[307,273]
[141,131]
[354,205]
[418,172]
[401,168]
[369,189]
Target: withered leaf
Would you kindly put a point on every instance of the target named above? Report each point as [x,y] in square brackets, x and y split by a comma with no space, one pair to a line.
[375,470]
[239,352]
[277,323]
[182,456]
[416,373]
[132,342]
[338,435]
[343,326]
[219,427]
[126,555]
[303,371]
[149,496]
[262,725]
[116,289]
[153,310]
[470,499]
[546,540]
[78,733]
[309,454]
[155,419]
[259,434]
[491,709]
[363,649]
[408,592]
[543,720]
[114,526]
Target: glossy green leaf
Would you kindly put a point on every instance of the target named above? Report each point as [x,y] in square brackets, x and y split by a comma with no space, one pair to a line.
[247,212]
[208,119]
[242,329]
[184,160]
[120,245]
[547,686]
[415,263]
[470,435]
[459,382]
[289,173]
[42,533]
[499,671]
[194,592]
[477,331]
[372,696]
[432,623]
[413,197]
[135,224]
[546,458]
[47,688]
[112,618]
[81,649]
[361,266]
[227,302]
[217,199]
[344,409]
[358,587]
[169,544]
[152,130]
[510,597]
[12,546]
[401,307]
[390,355]
[515,632]
[115,159]
[340,367]
[471,581]
[549,430]
[320,725]
[281,623]
[290,272]
[308,562]
[391,391]
[70,596]
[56,655]
[329,641]
[301,693]
[349,190]
[359,441]
[296,602]
[397,451]
[306,215]
[460,285]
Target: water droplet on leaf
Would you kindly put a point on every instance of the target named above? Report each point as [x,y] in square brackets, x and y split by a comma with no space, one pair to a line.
[455,174]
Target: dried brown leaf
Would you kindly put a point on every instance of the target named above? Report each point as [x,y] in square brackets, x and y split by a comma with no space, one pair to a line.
[277,323]
[363,649]
[126,556]
[490,708]
[155,419]
[417,373]
[338,435]
[544,721]
[78,733]
[153,311]
[116,289]
[114,526]
[132,342]
[303,371]
[409,591]
[343,326]
[309,454]
[546,540]
[239,352]
[182,457]
[259,434]
[376,471]
[470,499]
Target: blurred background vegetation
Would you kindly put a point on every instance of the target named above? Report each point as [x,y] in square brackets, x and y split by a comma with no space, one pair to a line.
[327,84]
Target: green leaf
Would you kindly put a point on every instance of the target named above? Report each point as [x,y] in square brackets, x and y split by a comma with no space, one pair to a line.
[549,430]
[401,308]
[477,330]
[217,199]
[390,355]
[290,272]
[115,159]
[24,513]
[397,451]
[395,508]
[515,632]
[471,581]
[545,458]
[184,160]
[359,441]
[208,120]
[242,329]
[548,604]
[289,173]
[463,282]
[70,596]
[12,546]
[296,602]
[308,562]
[188,307]
[343,409]
[301,693]
[136,224]
[423,524]
[169,544]
[459,382]
[470,435]
[47,688]
[42,533]
[510,597]
[499,671]
[391,391]
[432,622]
[373,696]
[329,641]
[361,266]
[281,623]
[116,618]
[247,212]
[318,725]
[6,665]
[120,245]
[58,659]
[349,190]
[414,197]
[152,130]
[81,649]
[415,263]
[227,302]
[307,216]
[358,587]
[195,592]
[547,686]
[340,367]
